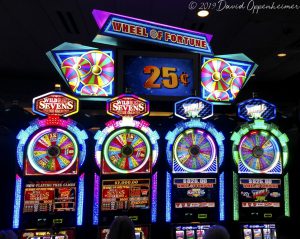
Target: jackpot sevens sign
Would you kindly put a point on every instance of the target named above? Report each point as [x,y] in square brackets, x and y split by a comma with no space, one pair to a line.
[127,106]
[55,103]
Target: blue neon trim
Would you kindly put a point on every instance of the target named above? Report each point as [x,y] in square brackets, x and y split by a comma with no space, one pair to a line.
[17,202]
[80,197]
[222,196]
[168,197]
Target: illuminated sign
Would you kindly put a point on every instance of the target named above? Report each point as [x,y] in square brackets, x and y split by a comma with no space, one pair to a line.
[223,77]
[55,103]
[256,109]
[260,192]
[116,25]
[193,107]
[195,192]
[127,106]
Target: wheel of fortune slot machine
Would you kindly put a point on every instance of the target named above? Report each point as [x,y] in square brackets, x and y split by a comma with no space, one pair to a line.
[260,180]
[195,181]
[49,190]
[126,152]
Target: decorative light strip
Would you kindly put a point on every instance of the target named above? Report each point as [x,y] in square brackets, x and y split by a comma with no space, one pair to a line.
[96,199]
[195,123]
[154,198]
[286,195]
[23,136]
[236,213]
[17,203]
[80,197]
[168,197]
[112,125]
[222,196]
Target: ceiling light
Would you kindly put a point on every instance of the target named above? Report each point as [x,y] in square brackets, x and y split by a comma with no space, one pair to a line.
[203,13]
[281,54]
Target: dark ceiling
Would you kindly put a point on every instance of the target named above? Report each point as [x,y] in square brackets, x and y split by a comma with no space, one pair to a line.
[31,28]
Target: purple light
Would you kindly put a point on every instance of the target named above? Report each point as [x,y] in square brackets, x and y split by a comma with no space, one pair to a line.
[102,16]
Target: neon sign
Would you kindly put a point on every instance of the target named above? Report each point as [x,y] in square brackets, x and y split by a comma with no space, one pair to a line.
[116,25]
[55,103]
[193,107]
[127,106]
[256,109]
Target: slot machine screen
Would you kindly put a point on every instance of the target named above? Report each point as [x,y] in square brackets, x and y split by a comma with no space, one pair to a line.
[159,75]
[247,233]
[195,192]
[191,231]
[259,231]
[42,234]
[124,194]
[257,234]
[49,196]
[260,192]
[141,232]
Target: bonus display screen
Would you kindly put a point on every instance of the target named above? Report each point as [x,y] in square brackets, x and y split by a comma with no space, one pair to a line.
[260,192]
[125,194]
[53,196]
[195,192]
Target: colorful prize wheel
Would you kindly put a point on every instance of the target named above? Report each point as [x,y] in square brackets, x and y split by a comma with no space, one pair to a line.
[195,146]
[260,147]
[127,150]
[52,151]
[211,75]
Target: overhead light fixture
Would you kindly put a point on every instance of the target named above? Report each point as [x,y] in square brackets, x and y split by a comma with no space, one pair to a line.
[203,13]
[281,54]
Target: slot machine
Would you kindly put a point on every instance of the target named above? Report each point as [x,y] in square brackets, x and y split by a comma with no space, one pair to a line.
[125,153]
[260,179]
[49,190]
[195,180]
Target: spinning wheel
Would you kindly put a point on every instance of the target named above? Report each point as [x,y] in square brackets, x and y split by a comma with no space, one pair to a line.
[237,76]
[218,96]
[93,90]
[102,69]
[194,150]
[259,151]
[81,65]
[126,150]
[211,75]
[52,151]
[72,77]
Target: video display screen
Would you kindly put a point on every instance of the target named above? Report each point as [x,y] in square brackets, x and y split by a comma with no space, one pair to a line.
[260,192]
[125,194]
[191,231]
[50,196]
[195,192]
[259,231]
[42,234]
[141,232]
[159,74]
